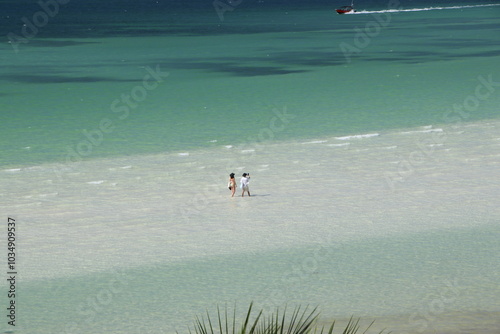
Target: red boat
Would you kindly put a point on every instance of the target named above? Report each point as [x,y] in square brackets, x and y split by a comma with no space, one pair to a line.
[345,9]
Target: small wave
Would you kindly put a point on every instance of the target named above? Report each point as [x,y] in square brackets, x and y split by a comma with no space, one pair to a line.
[34,168]
[421,131]
[339,145]
[419,9]
[12,170]
[368,135]
[48,195]
[96,182]
[184,154]
[315,142]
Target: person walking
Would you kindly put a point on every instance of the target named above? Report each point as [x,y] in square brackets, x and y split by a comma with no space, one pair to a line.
[245,179]
[232,184]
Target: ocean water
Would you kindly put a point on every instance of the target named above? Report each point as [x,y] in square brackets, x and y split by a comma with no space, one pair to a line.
[337,74]
[372,140]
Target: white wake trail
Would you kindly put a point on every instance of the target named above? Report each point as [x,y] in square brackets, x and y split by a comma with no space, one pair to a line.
[419,9]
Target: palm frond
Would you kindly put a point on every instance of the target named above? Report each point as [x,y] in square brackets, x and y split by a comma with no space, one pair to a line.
[301,321]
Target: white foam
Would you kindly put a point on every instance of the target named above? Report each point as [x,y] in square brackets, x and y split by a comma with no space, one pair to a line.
[479,125]
[418,9]
[30,204]
[368,135]
[34,168]
[339,145]
[183,154]
[248,151]
[316,142]
[12,170]
[421,131]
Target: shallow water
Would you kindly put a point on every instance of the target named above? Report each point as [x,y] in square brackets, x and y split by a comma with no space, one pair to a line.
[338,222]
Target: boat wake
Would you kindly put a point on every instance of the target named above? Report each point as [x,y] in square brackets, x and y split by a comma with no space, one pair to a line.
[418,9]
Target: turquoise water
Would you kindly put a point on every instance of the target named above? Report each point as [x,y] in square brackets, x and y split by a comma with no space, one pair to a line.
[224,84]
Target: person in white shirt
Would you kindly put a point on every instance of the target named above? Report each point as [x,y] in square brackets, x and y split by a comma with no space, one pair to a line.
[245,179]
